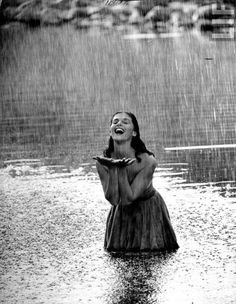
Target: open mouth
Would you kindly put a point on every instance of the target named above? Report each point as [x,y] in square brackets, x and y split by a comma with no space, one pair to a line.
[119,131]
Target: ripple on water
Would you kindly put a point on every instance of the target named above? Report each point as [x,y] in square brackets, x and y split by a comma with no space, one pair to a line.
[52,229]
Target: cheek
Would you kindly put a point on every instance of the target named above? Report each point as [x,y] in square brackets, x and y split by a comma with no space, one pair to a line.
[131,129]
[112,131]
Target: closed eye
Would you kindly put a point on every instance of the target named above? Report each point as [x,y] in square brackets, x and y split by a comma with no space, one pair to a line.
[125,121]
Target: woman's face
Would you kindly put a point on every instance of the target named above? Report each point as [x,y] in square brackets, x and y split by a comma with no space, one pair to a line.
[122,128]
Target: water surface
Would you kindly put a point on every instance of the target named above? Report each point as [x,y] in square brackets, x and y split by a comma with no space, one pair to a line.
[59,88]
[52,230]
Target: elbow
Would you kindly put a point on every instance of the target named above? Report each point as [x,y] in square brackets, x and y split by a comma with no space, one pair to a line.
[131,198]
[126,201]
[108,197]
[112,200]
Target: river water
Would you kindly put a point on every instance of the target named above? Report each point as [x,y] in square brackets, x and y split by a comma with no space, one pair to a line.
[52,230]
[59,88]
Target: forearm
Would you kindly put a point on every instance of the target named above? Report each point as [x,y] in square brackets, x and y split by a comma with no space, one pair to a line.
[125,190]
[112,189]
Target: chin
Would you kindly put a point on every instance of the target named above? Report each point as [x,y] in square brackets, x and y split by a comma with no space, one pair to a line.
[118,138]
[121,139]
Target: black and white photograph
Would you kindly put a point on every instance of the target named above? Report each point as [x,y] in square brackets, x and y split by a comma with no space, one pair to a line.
[117,151]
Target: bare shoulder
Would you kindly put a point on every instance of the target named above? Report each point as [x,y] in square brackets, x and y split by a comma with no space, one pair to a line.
[148,161]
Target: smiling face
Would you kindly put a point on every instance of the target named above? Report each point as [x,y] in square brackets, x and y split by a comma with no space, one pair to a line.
[122,128]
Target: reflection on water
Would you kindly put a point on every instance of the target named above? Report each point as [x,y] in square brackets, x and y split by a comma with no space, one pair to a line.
[134,281]
[140,279]
[52,231]
[206,165]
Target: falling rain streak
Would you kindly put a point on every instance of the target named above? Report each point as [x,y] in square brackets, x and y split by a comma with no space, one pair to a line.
[58,90]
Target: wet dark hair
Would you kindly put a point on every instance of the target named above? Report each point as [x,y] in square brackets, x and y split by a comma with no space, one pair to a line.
[136,143]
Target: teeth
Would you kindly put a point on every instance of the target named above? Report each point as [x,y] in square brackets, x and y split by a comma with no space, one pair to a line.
[119,131]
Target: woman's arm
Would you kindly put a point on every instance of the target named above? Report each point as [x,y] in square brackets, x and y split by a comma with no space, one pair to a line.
[131,192]
[109,180]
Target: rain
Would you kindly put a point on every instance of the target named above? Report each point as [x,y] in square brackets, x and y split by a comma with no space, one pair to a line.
[63,75]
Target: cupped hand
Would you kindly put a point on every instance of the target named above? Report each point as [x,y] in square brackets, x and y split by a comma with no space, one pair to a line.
[114,162]
[105,161]
[124,162]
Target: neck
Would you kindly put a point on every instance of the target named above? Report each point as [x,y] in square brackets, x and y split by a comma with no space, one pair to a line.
[123,149]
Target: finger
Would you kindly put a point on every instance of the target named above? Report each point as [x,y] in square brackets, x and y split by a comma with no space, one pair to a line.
[131,161]
[103,158]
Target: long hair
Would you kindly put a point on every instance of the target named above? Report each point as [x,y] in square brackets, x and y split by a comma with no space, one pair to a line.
[136,143]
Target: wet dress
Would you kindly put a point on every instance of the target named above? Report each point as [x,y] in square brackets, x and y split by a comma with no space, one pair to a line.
[144,225]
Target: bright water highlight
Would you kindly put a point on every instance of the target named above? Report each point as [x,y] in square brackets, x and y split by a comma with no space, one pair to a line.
[52,231]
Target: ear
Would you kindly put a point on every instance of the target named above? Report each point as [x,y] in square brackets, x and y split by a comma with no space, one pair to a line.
[134,133]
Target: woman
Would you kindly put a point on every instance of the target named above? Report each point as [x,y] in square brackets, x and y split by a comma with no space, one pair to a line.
[138,219]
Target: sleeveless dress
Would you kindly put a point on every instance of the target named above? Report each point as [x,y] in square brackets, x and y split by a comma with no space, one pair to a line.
[144,225]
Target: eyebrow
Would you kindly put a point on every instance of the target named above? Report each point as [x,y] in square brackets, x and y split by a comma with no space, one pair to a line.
[125,118]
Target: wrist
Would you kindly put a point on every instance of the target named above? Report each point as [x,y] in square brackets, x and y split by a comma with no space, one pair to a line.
[113,170]
[122,170]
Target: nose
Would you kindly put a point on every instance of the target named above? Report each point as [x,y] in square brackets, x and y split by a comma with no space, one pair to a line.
[119,123]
